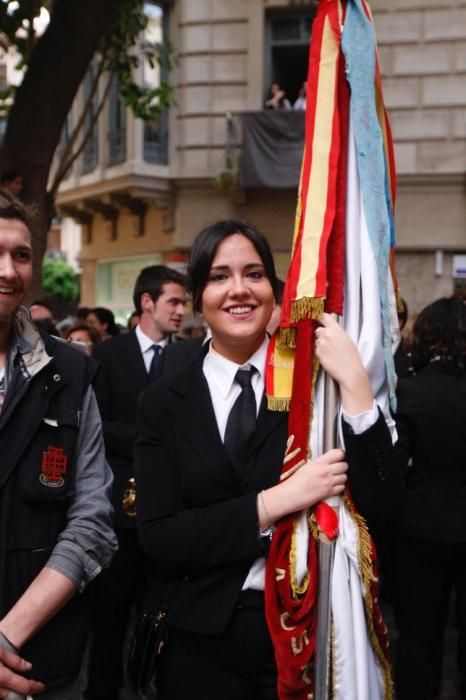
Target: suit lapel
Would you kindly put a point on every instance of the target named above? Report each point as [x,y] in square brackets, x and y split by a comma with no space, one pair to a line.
[196,417]
[136,364]
[266,422]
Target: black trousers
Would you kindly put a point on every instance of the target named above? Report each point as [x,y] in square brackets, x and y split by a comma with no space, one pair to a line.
[426,575]
[236,665]
[113,593]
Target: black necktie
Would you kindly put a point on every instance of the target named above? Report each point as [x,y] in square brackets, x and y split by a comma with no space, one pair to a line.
[241,422]
[155,361]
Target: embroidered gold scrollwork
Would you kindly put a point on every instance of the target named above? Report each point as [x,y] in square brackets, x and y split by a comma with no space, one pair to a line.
[305,675]
[284,622]
[279,574]
[289,456]
[297,643]
[129,498]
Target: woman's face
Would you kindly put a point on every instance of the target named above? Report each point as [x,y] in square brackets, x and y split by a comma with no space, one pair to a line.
[238,300]
[82,336]
[94,322]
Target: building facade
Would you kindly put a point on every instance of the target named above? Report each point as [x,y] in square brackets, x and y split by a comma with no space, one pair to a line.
[141,192]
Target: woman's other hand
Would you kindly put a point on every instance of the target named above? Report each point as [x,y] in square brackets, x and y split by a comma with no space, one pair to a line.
[314,481]
[339,356]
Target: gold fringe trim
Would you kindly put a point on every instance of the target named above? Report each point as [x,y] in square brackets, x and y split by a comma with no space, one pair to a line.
[315,372]
[287,338]
[313,527]
[333,663]
[278,404]
[295,586]
[307,307]
[365,566]
[399,302]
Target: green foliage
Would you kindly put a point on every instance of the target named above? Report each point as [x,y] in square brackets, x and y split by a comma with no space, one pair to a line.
[119,56]
[59,280]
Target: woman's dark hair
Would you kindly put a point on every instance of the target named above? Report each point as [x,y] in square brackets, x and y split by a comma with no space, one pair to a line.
[93,335]
[439,334]
[106,316]
[205,248]
[279,290]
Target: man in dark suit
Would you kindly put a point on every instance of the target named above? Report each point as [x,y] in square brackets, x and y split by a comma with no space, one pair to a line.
[127,366]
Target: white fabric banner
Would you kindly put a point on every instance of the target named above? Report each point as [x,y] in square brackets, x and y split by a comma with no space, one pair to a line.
[357,675]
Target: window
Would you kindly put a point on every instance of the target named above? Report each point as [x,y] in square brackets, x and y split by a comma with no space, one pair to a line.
[156,133]
[116,125]
[91,147]
[288,36]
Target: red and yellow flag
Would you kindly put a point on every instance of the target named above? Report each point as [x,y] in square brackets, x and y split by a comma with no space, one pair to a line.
[315,282]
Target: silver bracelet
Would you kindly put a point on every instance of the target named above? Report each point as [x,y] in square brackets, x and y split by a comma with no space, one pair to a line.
[269,520]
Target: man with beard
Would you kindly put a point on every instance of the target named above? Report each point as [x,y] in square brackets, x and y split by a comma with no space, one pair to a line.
[55,514]
[128,365]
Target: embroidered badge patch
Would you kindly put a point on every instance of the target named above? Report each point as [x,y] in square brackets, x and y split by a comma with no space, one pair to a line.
[54,464]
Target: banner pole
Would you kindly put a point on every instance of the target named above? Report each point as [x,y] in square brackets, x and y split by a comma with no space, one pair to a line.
[326,553]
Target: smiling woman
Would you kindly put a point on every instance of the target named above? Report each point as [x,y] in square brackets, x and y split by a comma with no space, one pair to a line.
[208,461]
[237,299]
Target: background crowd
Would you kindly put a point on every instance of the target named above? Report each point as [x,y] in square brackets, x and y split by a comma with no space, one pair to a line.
[198,472]
[423,564]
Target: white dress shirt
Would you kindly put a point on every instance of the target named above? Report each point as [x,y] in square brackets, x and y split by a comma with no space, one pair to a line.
[146,343]
[220,375]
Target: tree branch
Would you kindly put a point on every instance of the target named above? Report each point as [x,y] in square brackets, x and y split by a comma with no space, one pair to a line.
[87,107]
[65,166]
[56,67]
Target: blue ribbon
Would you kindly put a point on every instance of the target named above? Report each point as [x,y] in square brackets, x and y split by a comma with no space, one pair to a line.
[359,48]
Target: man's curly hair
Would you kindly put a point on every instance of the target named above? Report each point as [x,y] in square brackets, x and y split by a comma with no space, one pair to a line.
[12,208]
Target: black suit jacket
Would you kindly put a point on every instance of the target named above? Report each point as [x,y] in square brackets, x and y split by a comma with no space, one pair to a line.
[196,518]
[431,423]
[122,377]
[177,356]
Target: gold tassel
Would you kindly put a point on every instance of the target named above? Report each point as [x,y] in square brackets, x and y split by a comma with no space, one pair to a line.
[399,302]
[278,404]
[287,338]
[365,566]
[307,307]
[315,372]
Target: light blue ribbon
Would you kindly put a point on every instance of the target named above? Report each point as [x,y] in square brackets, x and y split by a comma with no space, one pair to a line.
[359,48]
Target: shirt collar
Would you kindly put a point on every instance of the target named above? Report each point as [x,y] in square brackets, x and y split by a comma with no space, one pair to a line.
[224,370]
[146,343]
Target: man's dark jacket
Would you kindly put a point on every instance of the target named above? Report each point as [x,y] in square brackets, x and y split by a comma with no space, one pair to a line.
[122,377]
[431,424]
[35,497]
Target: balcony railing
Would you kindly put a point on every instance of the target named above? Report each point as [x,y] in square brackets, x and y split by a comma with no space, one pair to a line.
[272,149]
